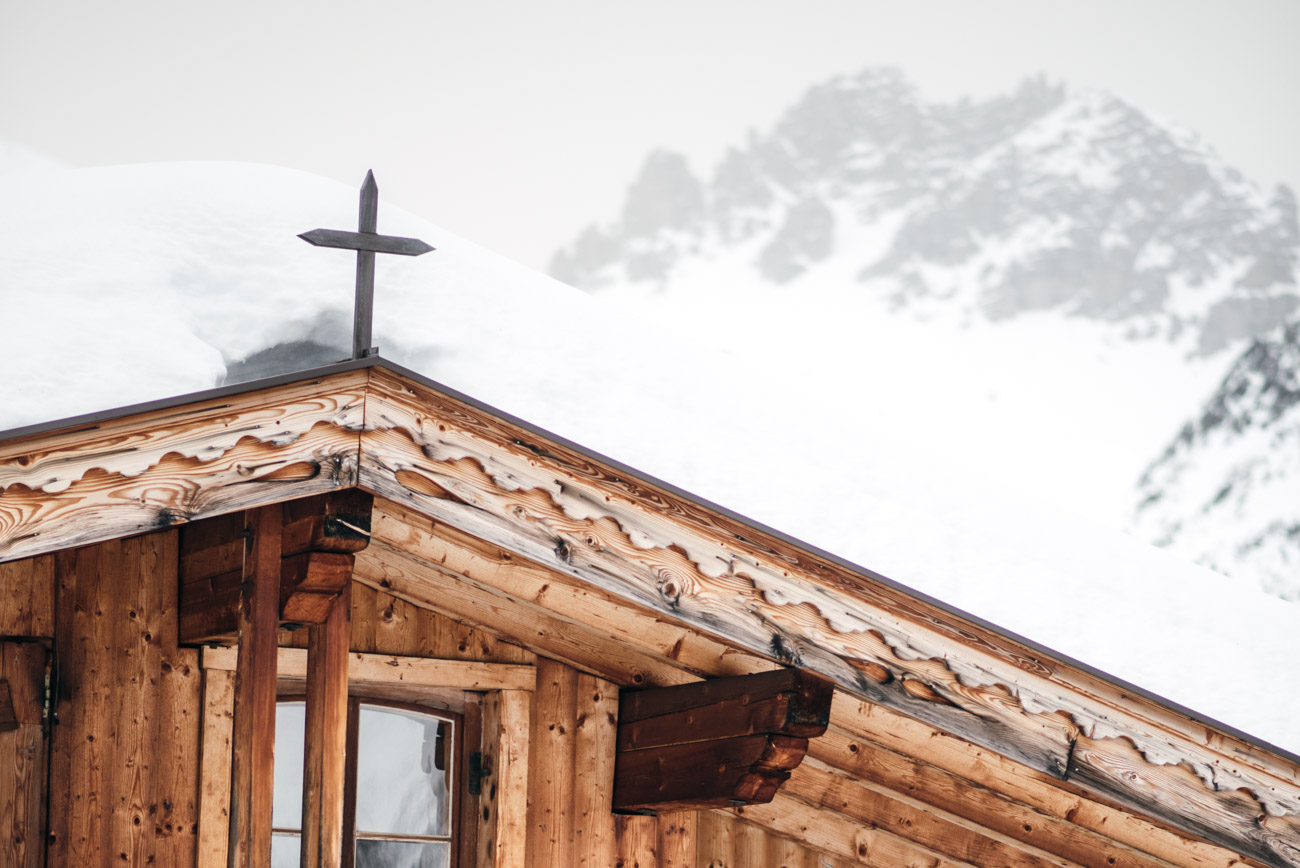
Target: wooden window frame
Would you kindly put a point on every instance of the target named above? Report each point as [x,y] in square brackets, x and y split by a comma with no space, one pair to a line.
[455,750]
[494,698]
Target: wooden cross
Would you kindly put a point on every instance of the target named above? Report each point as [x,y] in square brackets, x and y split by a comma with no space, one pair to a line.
[366,243]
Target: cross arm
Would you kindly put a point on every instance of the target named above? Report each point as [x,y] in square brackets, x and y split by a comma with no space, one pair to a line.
[366,241]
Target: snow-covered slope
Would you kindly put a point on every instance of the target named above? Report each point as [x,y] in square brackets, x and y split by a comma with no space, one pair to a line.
[1226,492]
[1048,282]
[133,283]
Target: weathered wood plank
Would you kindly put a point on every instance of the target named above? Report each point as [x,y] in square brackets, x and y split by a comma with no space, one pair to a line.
[637,841]
[922,824]
[335,522]
[214,764]
[595,733]
[579,645]
[309,583]
[720,773]
[253,761]
[325,739]
[27,604]
[551,768]
[837,834]
[677,839]
[458,465]
[158,469]
[125,708]
[867,725]
[389,668]
[975,801]
[23,755]
[780,702]
[510,763]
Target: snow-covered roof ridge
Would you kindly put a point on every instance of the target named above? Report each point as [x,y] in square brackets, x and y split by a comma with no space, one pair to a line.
[186,267]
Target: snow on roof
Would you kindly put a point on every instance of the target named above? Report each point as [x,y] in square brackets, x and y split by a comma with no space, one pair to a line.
[133,283]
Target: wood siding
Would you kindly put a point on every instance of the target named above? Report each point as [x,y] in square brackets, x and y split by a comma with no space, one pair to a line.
[124,771]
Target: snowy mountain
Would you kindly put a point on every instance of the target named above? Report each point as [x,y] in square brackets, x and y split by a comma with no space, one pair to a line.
[1048,281]
[133,283]
[1226,492]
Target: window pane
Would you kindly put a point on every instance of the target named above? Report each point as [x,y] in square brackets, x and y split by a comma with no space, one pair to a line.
[286,806]
[400,789]
[403,854]
[286,850]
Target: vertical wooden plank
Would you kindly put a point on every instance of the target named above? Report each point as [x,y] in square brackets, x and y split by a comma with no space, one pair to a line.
[551,790]
[326,738]
[783,853]
[27,604]
[485,810]
[253,751]
[749,844]
[677,839]
[173,718]
[22,756]
[124,757]
[467,821]
[364,608]
[74,796]
[713,840]
[511,773]
[214,765]
[595,739]
[638,841]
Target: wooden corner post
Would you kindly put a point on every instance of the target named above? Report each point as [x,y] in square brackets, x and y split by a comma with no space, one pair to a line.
[252,766]
[325,744]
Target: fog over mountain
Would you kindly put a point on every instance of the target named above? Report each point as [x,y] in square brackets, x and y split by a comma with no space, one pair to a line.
[964,233]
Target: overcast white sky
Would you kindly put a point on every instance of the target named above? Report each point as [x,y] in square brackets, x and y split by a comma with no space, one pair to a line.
[516,123]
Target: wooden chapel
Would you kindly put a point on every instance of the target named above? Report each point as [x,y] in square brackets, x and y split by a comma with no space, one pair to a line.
[598,669]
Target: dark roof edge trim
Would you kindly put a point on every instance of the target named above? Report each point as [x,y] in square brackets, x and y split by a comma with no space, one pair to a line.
[90,421]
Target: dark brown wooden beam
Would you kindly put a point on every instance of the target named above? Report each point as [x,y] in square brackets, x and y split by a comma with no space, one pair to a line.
[320,535]
[253,757]
[309,584]
[723,773]
[719,743]
[326,737]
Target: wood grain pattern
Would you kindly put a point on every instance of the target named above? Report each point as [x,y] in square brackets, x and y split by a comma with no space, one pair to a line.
[835,833]
[637,841]
[595,731]
[27,604]
[630,546]
[649,548]
[364,669]
[214,764]
[551,767]
[865,726]
[977,802]
[325,739]
[252,768]
[169,466]
[124,781]
[938,830]
[511,771]
[23,755]
[677,839]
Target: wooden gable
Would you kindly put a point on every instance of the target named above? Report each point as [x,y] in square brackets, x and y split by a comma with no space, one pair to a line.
[949,742]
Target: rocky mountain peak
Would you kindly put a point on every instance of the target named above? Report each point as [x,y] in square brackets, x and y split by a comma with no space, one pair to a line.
[1040,199]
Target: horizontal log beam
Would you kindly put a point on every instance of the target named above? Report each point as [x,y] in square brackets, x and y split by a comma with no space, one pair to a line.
[780,702]
[321,535]
[718,743]
[392,669]
[705,774]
